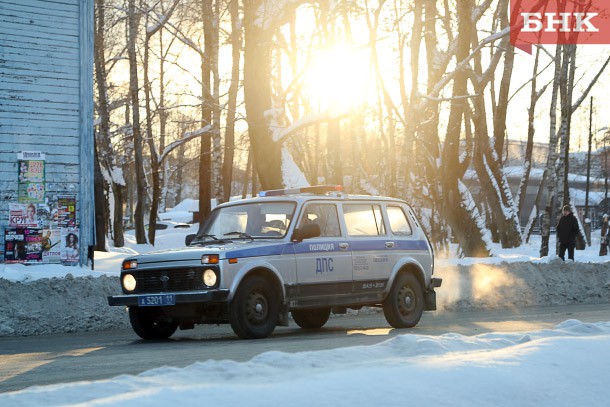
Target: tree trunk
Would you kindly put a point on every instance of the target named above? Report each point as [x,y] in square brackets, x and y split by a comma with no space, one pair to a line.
[499,117]
[227,170]
[460,212]
[212,50]
[549,212]
[150,138]
[136,133]
[205,159]
[257,97]
[494,184]
[101,215]
[529,147]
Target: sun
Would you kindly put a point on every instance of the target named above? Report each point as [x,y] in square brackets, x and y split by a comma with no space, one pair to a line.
[338,78]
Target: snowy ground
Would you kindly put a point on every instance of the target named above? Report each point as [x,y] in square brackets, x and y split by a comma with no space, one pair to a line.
[566,366]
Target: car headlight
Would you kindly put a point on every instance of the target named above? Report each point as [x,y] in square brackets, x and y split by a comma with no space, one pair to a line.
[129,282]
[209,277]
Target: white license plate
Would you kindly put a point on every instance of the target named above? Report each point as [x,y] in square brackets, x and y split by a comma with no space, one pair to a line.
[156,300]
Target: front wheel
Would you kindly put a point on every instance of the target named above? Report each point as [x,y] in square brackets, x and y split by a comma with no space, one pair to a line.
[149,323]
[254,311]
[311,318]
[404,304]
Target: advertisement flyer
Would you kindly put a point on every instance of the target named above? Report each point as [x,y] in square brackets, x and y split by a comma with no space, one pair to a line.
[23,215]
[69,245]
[31,176]
[50,243]
[66,211]
[22,245]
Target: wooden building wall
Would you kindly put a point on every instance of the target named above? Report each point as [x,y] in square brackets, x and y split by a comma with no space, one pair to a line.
[46,101]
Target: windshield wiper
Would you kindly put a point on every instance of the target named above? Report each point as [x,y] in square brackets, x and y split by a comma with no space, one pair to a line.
[199,239]
[212,236]
[239,234]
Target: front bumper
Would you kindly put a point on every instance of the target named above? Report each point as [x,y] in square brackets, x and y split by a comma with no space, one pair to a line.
[209,296]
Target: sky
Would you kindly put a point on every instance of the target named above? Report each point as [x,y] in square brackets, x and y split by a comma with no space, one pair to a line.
[564,366]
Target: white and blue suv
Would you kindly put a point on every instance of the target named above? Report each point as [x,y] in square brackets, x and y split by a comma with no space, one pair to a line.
[307,251]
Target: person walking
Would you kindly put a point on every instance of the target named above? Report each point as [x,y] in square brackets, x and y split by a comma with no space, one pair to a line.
[603,241]
[567,230]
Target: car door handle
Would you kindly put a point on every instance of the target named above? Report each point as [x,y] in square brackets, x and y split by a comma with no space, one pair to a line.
[389,245]
[343,246]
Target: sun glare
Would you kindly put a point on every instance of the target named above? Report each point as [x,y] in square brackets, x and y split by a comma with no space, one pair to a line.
[338,79]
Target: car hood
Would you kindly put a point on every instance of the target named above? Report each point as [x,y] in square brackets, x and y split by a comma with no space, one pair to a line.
[235,249]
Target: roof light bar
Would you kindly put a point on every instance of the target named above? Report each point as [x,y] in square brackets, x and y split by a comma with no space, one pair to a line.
[315,189]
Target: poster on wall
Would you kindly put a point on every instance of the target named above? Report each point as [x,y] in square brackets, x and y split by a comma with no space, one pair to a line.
[31,177]
[22,245]
[50,242]
[14,246]
[66,211]
[22,215]
[69,245]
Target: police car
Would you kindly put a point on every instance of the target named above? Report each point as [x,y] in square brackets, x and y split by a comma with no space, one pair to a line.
[308,252]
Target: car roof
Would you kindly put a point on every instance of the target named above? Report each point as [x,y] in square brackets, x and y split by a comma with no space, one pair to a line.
[302,198]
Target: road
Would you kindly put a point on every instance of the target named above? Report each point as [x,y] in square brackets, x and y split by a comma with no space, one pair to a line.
[49,359]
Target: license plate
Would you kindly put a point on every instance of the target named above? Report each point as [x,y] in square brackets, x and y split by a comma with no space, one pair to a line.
[156,300]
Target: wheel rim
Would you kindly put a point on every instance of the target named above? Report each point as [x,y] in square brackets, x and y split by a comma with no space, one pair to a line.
[257,308]
[407,301]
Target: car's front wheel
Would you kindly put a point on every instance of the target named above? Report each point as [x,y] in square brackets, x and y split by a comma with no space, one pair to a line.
[404,305]
[311,318]
[254,311]
[149,323]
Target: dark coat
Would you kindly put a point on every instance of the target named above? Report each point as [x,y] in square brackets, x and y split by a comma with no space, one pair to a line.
[567,229]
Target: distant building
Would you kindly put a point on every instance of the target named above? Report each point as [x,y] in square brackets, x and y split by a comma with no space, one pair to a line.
[46,130]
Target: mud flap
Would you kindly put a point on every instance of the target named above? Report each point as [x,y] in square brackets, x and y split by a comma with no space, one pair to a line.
[430,294]
[283,318]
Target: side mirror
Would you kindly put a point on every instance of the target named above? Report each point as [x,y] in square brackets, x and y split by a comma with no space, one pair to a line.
[306,232]
[189,238]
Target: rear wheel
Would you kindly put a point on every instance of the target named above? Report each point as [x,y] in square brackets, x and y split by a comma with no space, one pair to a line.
[254,311]
[404,305]
[311,318]
[149,323]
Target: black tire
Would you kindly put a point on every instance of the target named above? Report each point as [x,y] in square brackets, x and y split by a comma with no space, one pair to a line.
[404,305]
[254,311]
[148,323]
[311,318]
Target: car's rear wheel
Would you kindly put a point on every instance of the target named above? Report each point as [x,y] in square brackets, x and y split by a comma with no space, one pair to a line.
[311,318]
[254,311]
[404,305]
[149,323]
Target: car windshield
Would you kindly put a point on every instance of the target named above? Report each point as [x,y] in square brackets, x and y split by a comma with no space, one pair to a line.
[249,221]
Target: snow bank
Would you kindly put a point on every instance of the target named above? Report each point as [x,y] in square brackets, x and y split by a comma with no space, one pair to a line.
[71,304]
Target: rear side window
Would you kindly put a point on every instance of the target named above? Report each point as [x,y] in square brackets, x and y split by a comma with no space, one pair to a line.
[325,215]
[363,220]
[398,221]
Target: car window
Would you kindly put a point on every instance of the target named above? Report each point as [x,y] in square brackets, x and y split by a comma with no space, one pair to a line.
[325,215]
[398,221]
[270,219]
[363,220]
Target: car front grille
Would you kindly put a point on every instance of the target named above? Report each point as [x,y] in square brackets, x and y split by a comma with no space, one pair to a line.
[181,279]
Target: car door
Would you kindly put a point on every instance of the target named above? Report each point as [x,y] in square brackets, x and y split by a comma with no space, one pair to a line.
[324,263]
[371,246]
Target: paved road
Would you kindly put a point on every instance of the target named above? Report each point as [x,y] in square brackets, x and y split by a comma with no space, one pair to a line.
[48,359]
